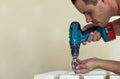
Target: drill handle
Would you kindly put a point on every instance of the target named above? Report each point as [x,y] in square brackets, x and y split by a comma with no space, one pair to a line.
[92,29]
[107,32]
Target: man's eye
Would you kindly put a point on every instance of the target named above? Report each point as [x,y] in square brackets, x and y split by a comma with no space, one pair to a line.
[86,12]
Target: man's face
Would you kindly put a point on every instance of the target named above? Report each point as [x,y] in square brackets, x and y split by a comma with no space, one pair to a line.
[97,14]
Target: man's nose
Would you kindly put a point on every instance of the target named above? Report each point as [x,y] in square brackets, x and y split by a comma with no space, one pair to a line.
[88,18]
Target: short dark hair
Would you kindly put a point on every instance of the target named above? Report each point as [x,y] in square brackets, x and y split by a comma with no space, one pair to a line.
[94,2]
[73,1]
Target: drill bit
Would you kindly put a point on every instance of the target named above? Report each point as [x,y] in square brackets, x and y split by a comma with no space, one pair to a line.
[75,63]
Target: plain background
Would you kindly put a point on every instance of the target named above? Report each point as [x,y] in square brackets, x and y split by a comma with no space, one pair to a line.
[34,38]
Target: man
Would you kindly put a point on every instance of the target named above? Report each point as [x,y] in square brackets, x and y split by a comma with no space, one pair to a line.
[98,12]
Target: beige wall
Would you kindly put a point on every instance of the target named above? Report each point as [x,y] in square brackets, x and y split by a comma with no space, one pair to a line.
[34,38]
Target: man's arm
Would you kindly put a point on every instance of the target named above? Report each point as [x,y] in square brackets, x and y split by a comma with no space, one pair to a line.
[95,36]
[110,65]
[90,64]
[116,25]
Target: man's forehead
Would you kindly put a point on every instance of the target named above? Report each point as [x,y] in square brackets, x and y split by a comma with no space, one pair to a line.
[80,5]
[79,1]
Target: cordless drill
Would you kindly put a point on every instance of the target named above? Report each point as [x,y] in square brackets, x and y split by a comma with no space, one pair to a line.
[77,36]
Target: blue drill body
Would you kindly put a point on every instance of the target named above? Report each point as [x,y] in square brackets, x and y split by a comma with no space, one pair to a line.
[77,36]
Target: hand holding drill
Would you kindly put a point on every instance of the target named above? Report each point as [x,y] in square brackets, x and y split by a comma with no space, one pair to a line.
[77,36]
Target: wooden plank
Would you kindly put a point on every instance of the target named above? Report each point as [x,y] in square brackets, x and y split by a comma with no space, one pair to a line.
[114,76]
[96,74]
[70,75]
[50,75]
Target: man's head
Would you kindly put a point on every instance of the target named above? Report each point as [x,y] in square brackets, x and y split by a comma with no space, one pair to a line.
[94,2]
[96,11]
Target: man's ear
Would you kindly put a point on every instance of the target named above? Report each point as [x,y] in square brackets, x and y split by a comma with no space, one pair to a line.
[104,1]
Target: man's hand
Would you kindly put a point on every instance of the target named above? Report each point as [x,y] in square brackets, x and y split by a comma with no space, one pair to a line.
[94,36]
[84,66]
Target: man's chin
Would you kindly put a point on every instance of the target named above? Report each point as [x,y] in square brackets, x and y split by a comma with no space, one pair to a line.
[102,24]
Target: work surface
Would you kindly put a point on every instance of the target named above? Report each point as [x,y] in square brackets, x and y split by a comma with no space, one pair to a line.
[96,74]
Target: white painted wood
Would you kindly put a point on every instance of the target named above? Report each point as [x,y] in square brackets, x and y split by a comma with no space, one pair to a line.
[50,75]
[96,74]
[70,75]
[114,76]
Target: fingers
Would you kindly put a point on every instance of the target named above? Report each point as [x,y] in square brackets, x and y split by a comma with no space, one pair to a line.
[94,36]
[88,26]
[81,68]
[84,66]
[81,71]
[91,37]
[98,36]
[84,43]
[78,62]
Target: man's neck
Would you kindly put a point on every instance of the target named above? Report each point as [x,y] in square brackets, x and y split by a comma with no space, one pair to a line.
[114,7]
[118,6]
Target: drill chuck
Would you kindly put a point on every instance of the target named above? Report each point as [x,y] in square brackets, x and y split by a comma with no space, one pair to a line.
[75,50]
